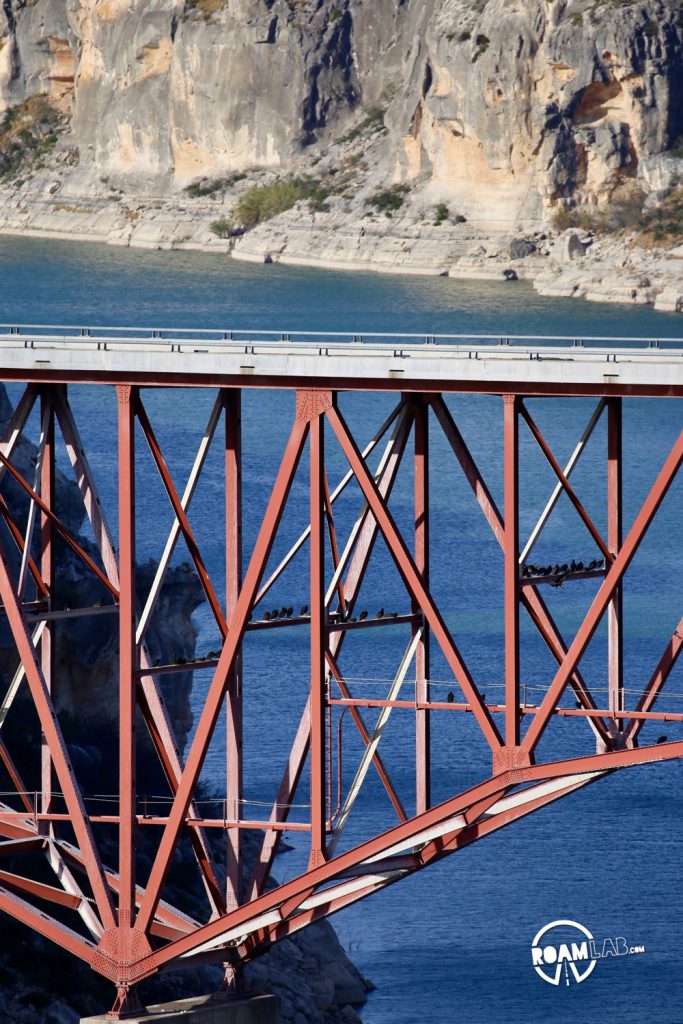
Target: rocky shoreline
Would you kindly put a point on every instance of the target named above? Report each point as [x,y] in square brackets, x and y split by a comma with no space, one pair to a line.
[569,264]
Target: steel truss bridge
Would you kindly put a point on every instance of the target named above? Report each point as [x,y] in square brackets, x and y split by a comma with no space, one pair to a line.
[120,924]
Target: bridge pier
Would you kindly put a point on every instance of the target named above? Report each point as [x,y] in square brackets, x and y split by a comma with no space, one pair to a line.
[262,1009]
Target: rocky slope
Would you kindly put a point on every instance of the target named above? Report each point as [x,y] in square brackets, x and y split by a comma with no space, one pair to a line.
[491,118]
[40,983]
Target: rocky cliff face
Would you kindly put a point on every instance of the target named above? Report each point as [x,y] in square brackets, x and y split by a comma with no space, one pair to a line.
[506,108]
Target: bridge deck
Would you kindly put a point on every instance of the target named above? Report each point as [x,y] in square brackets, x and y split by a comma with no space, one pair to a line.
[525,365]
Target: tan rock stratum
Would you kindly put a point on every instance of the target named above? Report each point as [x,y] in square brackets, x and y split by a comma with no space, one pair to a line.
[501,112]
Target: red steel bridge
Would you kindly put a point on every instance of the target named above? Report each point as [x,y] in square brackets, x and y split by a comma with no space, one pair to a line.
[121,924]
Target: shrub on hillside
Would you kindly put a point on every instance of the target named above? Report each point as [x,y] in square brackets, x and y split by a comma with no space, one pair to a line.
[27,133]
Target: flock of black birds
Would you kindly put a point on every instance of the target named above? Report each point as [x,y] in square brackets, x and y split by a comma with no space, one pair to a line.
[559,572]
[284,613]
[341,615]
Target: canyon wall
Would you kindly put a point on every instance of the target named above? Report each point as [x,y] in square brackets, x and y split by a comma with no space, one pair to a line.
[506,108]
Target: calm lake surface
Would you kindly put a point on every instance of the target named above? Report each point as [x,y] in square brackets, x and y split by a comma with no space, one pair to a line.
[452,943]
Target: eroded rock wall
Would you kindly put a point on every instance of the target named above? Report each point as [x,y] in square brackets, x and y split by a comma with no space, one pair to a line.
[507,107]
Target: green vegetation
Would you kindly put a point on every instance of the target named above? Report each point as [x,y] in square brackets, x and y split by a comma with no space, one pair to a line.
[388,200]
[204,187]
[221,227]
[482,42]
[28,132]
[597,4]
[263,202]
[372,122]
[206,7]
[442,213]
[662,225]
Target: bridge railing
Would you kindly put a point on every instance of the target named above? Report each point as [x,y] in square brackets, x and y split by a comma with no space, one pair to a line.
[50,334]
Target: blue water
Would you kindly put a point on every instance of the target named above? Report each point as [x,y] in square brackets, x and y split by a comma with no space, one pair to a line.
[451,943]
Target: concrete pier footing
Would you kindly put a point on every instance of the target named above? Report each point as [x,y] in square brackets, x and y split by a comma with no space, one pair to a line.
[207,1010]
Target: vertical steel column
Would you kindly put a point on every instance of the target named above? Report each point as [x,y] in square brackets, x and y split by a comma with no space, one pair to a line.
[318,641]
[127,662]
[232,404]
[511,559]
[422,667]
[614,542]
[47,571]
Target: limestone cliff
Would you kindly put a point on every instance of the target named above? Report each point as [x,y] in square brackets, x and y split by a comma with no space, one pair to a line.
[506,108]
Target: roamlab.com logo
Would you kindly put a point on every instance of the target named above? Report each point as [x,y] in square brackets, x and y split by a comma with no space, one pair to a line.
[566,949]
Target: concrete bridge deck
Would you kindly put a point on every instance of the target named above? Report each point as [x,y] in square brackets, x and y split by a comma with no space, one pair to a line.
[470,363]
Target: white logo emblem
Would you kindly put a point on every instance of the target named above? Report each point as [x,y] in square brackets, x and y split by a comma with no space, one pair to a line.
[567,949]
[572,950]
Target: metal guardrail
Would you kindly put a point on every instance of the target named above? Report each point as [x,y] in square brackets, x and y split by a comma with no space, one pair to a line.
[176,338]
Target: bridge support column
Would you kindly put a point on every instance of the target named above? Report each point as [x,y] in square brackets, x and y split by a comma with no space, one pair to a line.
[263,1009]
[232,406]
[614,541]
[47,571]
[311,406]
[422,666]
[127,673]
[511,560]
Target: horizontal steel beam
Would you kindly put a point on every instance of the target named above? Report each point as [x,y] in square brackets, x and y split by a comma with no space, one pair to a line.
[383,362]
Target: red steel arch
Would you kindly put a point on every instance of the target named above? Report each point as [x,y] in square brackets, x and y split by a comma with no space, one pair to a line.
[121,925]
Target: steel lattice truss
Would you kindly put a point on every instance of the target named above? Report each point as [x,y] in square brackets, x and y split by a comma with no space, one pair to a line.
[121,925]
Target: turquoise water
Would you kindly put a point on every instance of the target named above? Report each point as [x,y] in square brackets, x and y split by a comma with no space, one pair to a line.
[452,943]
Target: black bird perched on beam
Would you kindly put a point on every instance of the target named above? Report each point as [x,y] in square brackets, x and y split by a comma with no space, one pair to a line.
[363,615]
[290,611]
[304,610]
[283,613]
[380,614]
[274,614]
[99,603]
[266,616]
[662,739]
[451,697]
